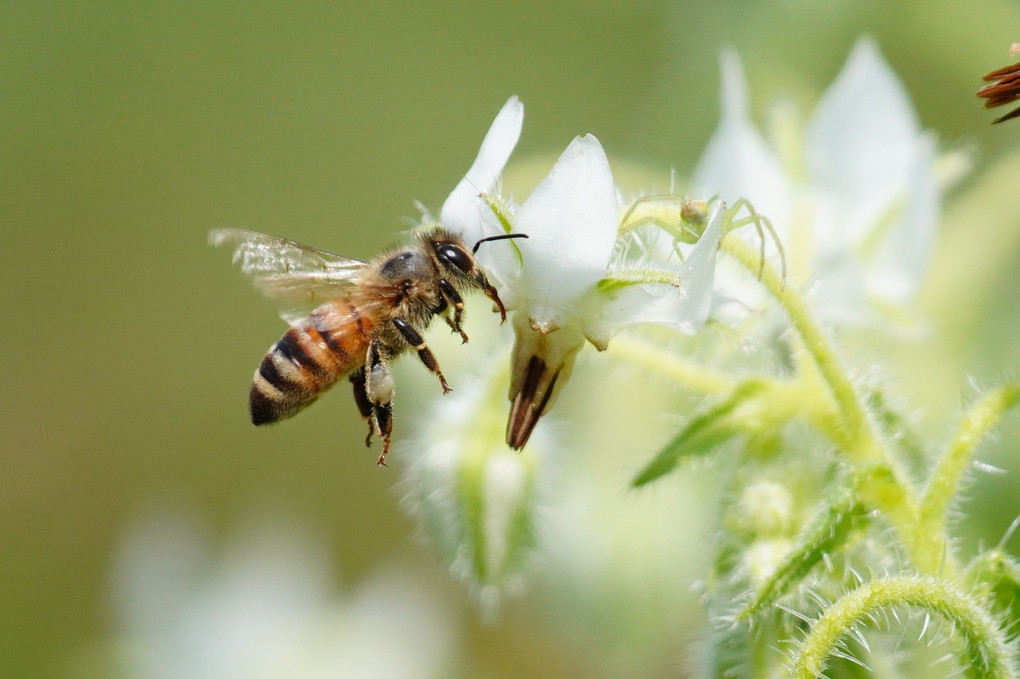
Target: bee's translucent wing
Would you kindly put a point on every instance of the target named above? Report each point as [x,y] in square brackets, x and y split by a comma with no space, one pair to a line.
[296,276]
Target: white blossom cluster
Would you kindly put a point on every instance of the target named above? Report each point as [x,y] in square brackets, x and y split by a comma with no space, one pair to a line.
[852,196]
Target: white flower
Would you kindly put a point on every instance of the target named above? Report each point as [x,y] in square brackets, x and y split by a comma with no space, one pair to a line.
[264,607]
[576,279]
[561,279]
[580,281]
[857,206]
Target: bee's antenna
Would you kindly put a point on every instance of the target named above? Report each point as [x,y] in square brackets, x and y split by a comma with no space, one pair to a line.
[502,236]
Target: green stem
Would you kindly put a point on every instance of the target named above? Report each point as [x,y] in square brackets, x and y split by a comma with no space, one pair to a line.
[857,437]
[987,650]
[945,479]
[689,374]
[786,399]
[854,431]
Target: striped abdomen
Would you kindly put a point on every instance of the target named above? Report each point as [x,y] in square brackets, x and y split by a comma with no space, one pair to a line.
[308,359]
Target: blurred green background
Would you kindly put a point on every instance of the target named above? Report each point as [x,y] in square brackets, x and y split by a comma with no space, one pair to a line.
[128,130]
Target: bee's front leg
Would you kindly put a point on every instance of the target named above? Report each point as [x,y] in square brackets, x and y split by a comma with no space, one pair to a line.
[412,337]
[378,395]
[454,298]
[443,311]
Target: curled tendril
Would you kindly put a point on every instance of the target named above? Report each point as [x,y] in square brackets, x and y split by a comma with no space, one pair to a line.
[987,652]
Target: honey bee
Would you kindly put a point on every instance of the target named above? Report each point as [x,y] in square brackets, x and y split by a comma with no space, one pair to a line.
[363,314]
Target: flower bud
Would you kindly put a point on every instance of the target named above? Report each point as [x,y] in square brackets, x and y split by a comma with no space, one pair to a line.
[475,498]
[766,509]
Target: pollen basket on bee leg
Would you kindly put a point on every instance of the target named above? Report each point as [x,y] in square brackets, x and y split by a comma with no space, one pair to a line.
[379,384]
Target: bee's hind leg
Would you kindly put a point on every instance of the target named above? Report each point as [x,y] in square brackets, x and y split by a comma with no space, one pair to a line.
[382,415]
[378,396]
[357,380]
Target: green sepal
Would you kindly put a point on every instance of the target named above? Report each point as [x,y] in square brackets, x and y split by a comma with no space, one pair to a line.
[701,435]
[501,210]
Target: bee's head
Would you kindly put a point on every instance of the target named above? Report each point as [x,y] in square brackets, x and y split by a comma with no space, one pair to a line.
[458,264]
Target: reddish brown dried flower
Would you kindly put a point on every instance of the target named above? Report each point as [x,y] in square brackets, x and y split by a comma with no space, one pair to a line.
[1005,88]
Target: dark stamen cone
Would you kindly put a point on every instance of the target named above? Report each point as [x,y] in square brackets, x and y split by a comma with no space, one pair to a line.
[528,405]
[543,358]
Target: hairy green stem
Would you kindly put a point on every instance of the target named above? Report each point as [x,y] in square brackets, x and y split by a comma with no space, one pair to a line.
[855,431]
[692,375]
[945,480]
[987,652]
[856,434]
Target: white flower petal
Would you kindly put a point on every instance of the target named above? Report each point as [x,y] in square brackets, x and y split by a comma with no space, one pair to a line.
[873,178]
[737,163]
[890,270]
[571,220]
[837,291]
[900,263]
[463,209]
[860,147]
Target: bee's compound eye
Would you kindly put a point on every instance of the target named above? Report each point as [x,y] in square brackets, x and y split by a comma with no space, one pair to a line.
[451,254]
